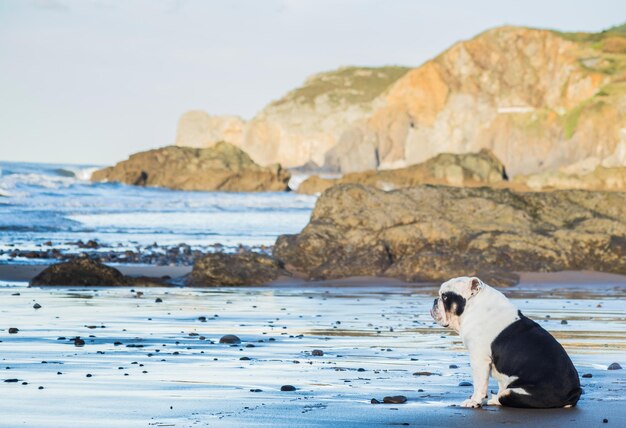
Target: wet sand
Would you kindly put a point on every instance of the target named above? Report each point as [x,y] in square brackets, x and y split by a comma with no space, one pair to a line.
[160,364]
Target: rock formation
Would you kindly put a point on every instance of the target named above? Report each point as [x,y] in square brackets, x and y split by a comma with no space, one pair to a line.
[80,272]
[432,233]
[301,126]
[538,99]
[222,167]
[247,268]
[471,169]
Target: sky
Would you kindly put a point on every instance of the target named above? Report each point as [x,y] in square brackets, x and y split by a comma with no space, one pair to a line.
[92,81]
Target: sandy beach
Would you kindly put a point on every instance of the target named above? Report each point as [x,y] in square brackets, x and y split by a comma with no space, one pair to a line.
[147,362]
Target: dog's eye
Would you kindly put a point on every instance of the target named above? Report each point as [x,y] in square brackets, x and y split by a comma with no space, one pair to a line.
[444,297]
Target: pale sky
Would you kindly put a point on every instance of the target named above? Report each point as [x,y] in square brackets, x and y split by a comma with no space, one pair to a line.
[93,81]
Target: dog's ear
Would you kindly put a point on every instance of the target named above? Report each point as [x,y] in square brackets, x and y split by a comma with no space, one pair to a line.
[475,286]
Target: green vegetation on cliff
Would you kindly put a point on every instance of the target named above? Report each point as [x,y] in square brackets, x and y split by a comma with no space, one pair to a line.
[352,85]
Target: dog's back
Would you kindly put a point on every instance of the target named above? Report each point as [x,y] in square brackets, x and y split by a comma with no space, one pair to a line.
[546,376]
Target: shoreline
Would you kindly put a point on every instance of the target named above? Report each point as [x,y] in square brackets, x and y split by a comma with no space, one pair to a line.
[570,280]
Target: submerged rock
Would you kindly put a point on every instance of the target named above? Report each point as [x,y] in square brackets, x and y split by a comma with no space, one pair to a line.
[80,272]
[247,268]
[433,233]
[614,366]
[222,167]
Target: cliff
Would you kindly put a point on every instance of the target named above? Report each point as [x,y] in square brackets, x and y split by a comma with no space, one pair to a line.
[540,100]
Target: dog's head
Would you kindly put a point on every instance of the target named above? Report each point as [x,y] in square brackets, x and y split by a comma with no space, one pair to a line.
[453,297]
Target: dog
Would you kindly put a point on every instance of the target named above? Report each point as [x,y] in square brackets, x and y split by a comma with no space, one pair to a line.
[531,367]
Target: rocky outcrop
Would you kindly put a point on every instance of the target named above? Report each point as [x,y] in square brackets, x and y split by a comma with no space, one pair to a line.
[315,184]
[302,125]
[222,167]
[432,233]
[80,272]
[471,169]
[200,130]
[538,99]
[601,178]
[247,268]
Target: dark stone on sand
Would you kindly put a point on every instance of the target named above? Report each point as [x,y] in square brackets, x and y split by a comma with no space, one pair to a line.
[287,388]
[425,374]
[88,375]
[158,300]
[464,383]
[80,272]
[360,370]
[453,366]
[614,366]
[256,390]
[587,375]
[13,330]
[244,359]
[374,401]
[11,380]
[605,421]
[396,399]
[79,342]
[317,353]
[36,306]
[564,322]
[230,339]
[202,319]
[246,268]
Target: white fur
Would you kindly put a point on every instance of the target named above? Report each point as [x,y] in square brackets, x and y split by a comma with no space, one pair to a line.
[487,312]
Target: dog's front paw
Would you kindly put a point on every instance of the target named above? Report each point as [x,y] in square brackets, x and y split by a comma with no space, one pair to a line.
[471,403]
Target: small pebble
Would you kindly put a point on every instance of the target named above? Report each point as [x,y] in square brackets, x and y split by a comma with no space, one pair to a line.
[453,366]
[244,358]
[317,353]
[287,388]
[79,342]
[464,383]
[587,375]
[158,300]
[374,401]
[396,399]
[37,306]
[605,421]
[13,330]
[614,366]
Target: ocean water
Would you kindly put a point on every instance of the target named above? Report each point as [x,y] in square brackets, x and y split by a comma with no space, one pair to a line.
[58,203]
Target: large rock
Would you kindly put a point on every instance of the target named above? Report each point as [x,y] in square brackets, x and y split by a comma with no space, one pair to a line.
[247,268]
[471,169]
[538,99]
[222,167]
[432,233]
[80,272]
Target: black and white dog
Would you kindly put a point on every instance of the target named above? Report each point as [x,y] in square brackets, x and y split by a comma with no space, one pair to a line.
[531,367]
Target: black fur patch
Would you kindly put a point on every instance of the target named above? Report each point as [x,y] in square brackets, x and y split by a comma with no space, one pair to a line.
[452,300]
[543,368]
